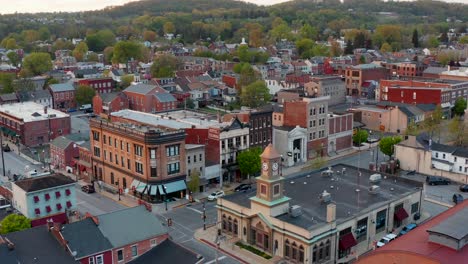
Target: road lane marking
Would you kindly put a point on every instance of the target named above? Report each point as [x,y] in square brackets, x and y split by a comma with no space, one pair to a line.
[195,210]
[214,260]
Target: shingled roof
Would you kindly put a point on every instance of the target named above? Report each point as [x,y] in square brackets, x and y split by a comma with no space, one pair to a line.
[43,182]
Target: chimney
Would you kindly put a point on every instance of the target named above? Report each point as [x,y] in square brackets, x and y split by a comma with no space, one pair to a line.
[331,212]
[45,110]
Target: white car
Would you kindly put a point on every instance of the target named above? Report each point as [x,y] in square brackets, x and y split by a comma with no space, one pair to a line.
[386,239]
[215,195]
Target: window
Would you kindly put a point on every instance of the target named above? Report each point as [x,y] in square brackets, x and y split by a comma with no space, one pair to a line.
[380,220]
[91,260]
[414,207]
[138,150]
[172,150]
[263,189]
[437,154]
[414,95]
[128,147]
[57,194]
[361,230]
[173,168]
[128,164]
[99,259]
[200,157]
[153,153]
[96,135]
[104,139]
[138,167]
[443,156]
[115,142]
[287,249]
[154,172]
[112,178]
[111,159]
[105,155]
[134,251]
[122,161]
[194,158]
[116,159]
[97,152]
[153,242]
[188,159]
[121,145]
[276,189]
[120,255]
[454,159]
[110,141]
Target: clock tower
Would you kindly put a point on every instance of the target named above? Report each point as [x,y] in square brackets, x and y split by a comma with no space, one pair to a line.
[270,183]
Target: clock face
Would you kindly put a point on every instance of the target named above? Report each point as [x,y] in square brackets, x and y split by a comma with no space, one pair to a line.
[265,166]
[275,166]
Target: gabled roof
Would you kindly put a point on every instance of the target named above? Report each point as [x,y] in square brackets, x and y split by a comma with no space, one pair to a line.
[61,142]
[442,148]
[37,245]
[461,152]
[167,252]
[140,88]
[61,87]
[108,97]
[43,182]
[138,223]
[165,97]
[84,238]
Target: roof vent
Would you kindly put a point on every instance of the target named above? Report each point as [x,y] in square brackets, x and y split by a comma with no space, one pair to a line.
[295,210]
[327,173]
[375,178]
[374,189]
[325,197]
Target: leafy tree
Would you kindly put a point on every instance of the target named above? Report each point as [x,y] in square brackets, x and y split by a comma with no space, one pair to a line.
[80,51]
[432,42]
[93,57]
[169,28]
[37,63]
[305,48]
[387,144]
[244,54]
[362,60]
[149,35]
[124,51]
[84,94]
[444,37]
[249,161]
[52,81]
[316,163]
[164,66]
[415,38]
[10,44]
[108,53]
[100,40]
[14,223]
[6,81]
[463,40]
[189,103]
[349,47]
[335,49]
[360,40]
[309,32]
[460,106]
[194,182]
[13,57]
[247,75]
[44,33]
[255,94]
[126,81]
[360,137]
[457,130]
[282,31]
[412,128]
[387,33]
[386,47]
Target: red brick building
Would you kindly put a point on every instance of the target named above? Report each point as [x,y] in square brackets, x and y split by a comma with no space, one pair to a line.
[149,98]
[63,96]
[106,103]
[340,132]
[33,124]
[100,85]
[411,69]
[84,167]
[63,152]
[356,75]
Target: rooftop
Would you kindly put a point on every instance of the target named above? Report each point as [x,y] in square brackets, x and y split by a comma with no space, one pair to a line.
[453,226]
[305,190]
[43,182]
[30,111]
[167,252]
[61,87]
[133,128]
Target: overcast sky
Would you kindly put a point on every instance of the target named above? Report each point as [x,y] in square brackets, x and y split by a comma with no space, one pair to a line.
[23,6]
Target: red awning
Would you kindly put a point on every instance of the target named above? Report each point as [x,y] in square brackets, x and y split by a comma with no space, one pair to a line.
[401,214]
[73,163]
[58,218]
[347,241]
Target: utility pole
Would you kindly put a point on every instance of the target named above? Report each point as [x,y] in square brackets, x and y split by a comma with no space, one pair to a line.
[204,216]
[3,154]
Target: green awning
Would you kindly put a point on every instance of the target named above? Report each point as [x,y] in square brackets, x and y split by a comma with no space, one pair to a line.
[134,184]
[175,186]
[153,190]
[141,187]
[8,131]
[161,189]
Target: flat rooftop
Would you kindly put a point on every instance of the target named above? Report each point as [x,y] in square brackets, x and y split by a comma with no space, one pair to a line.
[30,111]
[136,127]
[304,191]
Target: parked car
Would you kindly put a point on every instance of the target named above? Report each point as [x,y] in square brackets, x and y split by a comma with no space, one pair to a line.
[6,148]
[85,107]
[215,195]
[457,198]
[464,188]
[88,188]
[434,180]
[407,228]
[243,187]
[386,239]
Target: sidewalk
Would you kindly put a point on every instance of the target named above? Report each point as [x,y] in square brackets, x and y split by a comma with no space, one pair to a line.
[228,247]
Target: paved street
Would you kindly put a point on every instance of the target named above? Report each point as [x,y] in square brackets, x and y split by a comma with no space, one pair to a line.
[16,164]
[80,123]
[95,203]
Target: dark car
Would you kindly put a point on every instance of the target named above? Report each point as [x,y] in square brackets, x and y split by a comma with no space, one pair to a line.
[464,188]
[6,148]
[88,110]
[434,180]
[457,198]
[88,189]
[243,187]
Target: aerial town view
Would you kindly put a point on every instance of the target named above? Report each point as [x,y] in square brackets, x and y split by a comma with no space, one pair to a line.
[228,131]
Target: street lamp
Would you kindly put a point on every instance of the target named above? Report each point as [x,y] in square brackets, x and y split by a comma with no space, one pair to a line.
[3,158]
[18,144]
[118,188]
[204,216]
[165,197]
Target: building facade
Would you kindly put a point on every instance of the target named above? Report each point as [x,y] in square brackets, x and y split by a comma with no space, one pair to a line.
[340,132]
[142,160]
[63,152]
[355,76]
[332,86]
[195,159]
[149,98]
[63,96]
[100,85]
[105,104]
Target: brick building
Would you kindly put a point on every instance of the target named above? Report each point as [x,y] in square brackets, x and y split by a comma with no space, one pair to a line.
[63,96]
[100,85]
[106,103]
[84,168]
[33,124]
[356,75]
[332,86]
[146,161]
[63,152]
[411,69]
[340,132]
[149,98]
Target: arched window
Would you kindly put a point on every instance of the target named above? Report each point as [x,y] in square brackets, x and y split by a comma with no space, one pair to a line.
[224,225]
[301,254]
[314,254]
[235,227]
[327,249]
[294,251]
[124,183]
[229,224]
[287,249]
[320,251]
[112,177]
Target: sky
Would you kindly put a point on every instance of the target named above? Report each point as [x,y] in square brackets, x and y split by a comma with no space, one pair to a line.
[35,6]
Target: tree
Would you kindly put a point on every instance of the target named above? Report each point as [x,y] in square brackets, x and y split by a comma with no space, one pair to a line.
[37,63]
[124,51]
[14,223]
[444,37]
[194,182]
[52,81]
[84,94]
[412,128]
[108,53]
[386,47]
[360,137]
[463,40]
[305,48]
[13,57]
[255,94]
[164,66]
[349,47]
[282,31]
[10,44]
[386,144]
[316,163]
[387,33]
[6,82]
[80,51]
[460,106]
[432,42]
[93,57]
[247,75]
[126,81]
[100,40]
[335,49]
[149,35]
[309,32]
[249,161]
[415,39]
[362,59]
[457,130]
[169,28]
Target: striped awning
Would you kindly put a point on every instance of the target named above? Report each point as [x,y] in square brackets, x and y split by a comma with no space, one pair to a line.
[141,187]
